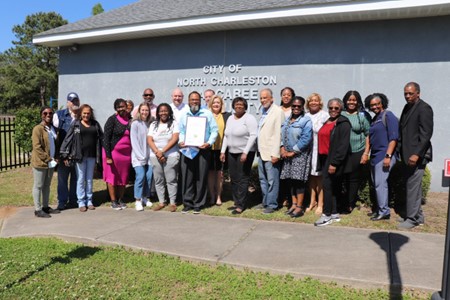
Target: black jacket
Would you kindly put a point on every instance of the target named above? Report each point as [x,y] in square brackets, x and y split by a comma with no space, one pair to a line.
[72,144]
[339,145]
[416,129]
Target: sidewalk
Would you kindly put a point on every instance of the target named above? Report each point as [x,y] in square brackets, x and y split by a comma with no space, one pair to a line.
[358,257]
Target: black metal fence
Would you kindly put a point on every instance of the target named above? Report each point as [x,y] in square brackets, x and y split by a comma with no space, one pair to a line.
[11,155]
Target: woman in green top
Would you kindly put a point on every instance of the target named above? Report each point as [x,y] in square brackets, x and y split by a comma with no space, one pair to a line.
[360,121]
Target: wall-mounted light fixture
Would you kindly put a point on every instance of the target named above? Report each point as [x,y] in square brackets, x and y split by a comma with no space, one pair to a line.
[73,48]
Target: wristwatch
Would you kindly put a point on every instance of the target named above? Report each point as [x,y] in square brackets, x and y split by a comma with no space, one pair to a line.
[388,155]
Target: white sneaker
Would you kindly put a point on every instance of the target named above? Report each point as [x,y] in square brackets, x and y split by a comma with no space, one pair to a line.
[335,218]
[139,206]
[147,202]
[324,220]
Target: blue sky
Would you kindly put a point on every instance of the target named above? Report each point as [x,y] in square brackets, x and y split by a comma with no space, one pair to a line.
[14,12]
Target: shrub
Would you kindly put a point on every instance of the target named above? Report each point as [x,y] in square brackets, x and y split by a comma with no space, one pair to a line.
[397,191]
[26,119]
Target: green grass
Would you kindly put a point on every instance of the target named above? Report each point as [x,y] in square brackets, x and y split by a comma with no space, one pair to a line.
[16,188]
[47,268]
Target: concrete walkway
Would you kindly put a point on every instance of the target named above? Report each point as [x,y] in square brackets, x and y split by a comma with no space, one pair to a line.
[359,257]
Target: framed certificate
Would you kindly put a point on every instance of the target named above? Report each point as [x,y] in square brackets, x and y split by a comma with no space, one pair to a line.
[195,131]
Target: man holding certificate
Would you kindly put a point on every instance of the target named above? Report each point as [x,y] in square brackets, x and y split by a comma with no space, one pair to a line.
[198,131]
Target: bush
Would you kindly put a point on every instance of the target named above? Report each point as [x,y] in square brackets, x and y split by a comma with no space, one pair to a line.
[397,191]
[26,119]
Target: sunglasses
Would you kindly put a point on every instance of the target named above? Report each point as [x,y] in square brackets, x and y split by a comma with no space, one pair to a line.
[296,106]
[148,95]
[47,113]
[334,108]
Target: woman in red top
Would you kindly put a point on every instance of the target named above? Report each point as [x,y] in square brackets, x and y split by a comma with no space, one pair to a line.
[334,143]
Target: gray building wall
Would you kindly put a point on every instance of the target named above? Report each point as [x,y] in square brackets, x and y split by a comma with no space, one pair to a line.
[378,56]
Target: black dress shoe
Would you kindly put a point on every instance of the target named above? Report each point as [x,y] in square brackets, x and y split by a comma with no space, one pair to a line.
[41,214]
[50,210]
[380,217]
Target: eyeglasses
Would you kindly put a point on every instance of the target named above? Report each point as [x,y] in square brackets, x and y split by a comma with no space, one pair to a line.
[334,108]
[148,95]
[47,113]
[296,106]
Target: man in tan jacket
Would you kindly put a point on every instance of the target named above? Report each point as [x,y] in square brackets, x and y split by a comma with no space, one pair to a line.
[269,141]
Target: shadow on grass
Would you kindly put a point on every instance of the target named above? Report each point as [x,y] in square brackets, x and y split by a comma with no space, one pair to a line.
[391,243]
[80,252]
[102,196]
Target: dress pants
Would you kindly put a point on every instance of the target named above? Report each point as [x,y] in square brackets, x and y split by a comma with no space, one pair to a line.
[195,179]
[240,177]
[380,176]
[332,192]
[413,177]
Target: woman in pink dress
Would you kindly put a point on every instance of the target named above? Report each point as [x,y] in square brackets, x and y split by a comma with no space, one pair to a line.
[117,153]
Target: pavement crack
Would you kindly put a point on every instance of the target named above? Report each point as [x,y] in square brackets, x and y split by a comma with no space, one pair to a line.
[239,241]
[97,238]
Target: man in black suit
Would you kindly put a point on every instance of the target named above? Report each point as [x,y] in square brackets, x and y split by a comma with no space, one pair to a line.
[416,129]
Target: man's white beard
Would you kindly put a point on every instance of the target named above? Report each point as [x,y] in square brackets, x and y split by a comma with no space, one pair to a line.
[195,108]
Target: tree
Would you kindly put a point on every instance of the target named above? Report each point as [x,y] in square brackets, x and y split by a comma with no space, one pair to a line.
[97,9]
[28,72]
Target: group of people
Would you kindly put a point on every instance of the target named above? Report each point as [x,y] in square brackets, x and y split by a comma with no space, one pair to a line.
[301,150]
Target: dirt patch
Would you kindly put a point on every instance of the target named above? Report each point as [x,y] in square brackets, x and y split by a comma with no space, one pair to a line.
[7,211]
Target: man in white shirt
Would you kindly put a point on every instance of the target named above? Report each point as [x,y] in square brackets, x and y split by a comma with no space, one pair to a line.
[178,106]
[208,95]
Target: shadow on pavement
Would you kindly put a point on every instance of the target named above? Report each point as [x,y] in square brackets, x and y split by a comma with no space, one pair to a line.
[391,243]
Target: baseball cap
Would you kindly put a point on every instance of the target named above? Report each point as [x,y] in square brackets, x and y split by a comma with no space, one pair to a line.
[72,96]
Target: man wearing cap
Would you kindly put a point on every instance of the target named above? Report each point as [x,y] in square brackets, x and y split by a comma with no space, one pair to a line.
[67,193]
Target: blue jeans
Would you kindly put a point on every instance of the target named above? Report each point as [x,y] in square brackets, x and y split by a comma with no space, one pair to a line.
[66,191]
[85,174]
[269,179]
[143,181]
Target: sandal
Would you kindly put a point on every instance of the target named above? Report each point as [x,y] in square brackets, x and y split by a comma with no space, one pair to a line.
[298,214]
[290,210]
